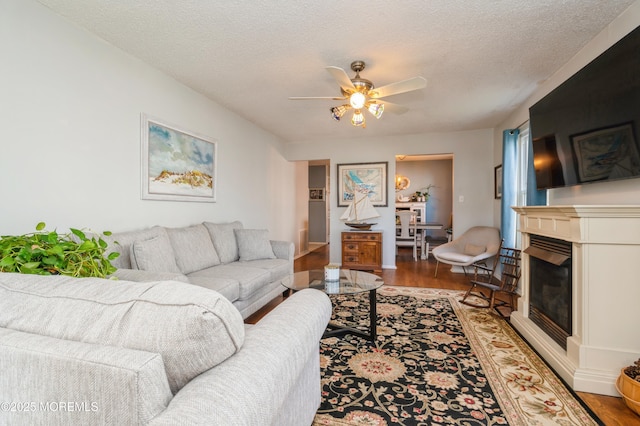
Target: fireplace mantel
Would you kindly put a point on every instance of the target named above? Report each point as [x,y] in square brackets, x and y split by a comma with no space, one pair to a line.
[606,291]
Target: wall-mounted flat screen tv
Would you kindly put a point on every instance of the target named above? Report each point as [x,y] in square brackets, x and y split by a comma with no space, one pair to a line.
[585,130]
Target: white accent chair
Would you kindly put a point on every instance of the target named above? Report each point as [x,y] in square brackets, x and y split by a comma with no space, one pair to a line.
[408,233]
[476,244]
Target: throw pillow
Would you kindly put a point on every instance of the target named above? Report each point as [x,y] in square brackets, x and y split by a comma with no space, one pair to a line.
[473,250]
[224,239]
[122,242]
[154,254]
[193,248]
[254,244]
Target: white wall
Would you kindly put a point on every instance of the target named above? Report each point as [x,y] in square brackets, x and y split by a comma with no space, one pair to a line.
[70,112]
[472,176]
[619,192]
[302,201]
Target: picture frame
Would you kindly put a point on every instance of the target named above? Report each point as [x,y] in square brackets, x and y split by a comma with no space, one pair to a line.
[316,194]
[369,177]
[176,165]
[605,153]
[497,182]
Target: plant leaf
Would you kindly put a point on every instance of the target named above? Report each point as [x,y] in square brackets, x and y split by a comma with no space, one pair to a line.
[87,245]
[113,255]
[7,261]
[40,226]
[78,233]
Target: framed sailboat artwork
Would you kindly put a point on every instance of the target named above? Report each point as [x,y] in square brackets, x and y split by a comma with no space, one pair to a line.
[368,178]
[361,187]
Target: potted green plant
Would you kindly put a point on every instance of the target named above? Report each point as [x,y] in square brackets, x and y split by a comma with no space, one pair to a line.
[425,192]
[49,253]
[628,385]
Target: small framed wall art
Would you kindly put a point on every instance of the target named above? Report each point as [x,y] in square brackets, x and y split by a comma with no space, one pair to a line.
[316,194]
[497,181]
[177,165]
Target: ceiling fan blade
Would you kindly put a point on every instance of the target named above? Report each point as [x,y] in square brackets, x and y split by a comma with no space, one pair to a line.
[324,98]
[394,108]
[414,83]
[341,78]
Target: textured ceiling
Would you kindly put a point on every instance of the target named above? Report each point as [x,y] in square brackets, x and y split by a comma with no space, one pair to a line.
[481,58]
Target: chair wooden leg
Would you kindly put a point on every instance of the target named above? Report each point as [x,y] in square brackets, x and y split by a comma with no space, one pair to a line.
[437,263]
[492,299]
[468,293]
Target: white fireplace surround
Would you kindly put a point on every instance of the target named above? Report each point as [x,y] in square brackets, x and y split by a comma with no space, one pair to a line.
[605,296]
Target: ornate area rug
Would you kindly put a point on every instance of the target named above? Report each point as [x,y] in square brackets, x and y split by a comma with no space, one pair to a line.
[436,362]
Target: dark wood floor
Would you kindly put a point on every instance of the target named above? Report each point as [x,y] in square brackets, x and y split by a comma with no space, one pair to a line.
[611,410]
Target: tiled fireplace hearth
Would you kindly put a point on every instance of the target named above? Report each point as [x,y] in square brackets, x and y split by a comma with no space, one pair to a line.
[605,291]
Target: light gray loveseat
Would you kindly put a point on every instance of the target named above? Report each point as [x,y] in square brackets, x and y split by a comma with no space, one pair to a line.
[241,264]
[90,351]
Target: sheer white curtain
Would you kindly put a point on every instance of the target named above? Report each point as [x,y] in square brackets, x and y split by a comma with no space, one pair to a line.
[518,181]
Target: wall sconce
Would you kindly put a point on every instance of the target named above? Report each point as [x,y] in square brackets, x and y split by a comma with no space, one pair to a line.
[402,183]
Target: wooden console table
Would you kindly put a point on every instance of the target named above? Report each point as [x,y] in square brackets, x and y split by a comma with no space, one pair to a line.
[362,250]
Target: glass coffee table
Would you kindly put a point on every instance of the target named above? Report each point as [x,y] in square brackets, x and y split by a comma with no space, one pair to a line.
[350,282]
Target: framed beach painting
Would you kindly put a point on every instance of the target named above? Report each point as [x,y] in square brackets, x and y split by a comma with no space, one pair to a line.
[176,165]
[366,177]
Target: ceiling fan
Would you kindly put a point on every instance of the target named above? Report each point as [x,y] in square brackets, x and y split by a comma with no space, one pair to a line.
[362,94]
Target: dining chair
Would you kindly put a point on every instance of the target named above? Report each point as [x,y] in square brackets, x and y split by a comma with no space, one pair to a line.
[408,236]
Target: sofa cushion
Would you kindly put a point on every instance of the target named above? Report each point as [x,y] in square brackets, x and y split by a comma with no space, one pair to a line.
[123,386]
[277,268]
[154,254]
[228,287]
[121,242]
[224,239]
[193,248]
[193,328]
[249,279]
[254,244]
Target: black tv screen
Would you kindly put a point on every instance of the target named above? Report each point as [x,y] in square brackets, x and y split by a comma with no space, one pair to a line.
[584,131]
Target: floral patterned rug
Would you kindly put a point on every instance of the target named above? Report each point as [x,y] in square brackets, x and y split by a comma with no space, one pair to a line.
[436,362]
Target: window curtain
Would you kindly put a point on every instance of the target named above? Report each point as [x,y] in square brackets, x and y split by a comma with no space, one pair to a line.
[534,197]
[508,216]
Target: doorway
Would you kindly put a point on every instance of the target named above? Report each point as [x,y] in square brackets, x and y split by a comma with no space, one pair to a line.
[318,203]
[431,173]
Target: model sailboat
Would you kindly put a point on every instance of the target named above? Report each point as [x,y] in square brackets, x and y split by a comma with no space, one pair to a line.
[358,211]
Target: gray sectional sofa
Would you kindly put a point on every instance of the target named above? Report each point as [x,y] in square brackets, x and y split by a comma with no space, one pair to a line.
[157,346]
[90,351]
[241,264]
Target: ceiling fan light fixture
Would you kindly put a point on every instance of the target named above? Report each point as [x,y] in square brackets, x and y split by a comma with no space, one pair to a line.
[358,118]
[338,112]
[357,100]
[376,109]
[359,94]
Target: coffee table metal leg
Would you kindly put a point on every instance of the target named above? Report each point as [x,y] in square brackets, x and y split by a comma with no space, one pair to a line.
[335,330]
